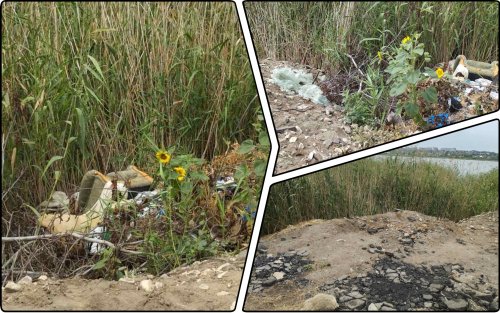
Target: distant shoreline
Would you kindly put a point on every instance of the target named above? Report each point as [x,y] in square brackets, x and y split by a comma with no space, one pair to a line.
[438,157]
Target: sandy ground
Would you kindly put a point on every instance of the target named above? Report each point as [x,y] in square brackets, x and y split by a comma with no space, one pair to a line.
[338,248]
[210,285]
[309,133]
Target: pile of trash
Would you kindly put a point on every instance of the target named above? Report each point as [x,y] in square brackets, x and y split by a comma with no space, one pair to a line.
[300,82]
[126,197]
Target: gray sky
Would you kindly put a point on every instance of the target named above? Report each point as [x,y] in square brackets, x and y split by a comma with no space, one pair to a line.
[482,138]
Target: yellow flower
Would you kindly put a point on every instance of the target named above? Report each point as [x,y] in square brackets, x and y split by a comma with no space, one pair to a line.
[406,39]
[439,72]
[379,54]
[182,173]
[163,156]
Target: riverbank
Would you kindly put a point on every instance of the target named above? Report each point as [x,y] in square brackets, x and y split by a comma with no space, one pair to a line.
[369,186]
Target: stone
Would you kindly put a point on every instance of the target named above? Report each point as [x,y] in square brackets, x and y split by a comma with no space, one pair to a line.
[127,280]
[428,305]
[436,287]
[456,304]
[494,305]
[372,230]
[43,278]
[269,282]
[355,304]
[386,308]
[344,299]
[203,286]
[147,285]
[427,297]
[222,293]
[372,250]
[150,276]
[473,306]
[372,307]
[355,295]
[320,302]
[26,280]
[158,285]
[12,287]
[279,275]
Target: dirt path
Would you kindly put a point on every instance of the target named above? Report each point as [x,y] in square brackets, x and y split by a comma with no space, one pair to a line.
[208,285]
[350,254]
[309,133]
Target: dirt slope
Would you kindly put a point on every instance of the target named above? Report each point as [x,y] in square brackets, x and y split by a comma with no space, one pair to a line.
[208,285]
[346,250]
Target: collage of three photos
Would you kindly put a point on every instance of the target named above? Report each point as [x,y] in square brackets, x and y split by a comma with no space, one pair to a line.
[250,156]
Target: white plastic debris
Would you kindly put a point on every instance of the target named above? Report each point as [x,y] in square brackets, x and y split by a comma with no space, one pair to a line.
[96,233]
[300,82]
[494,95]
[483,82]
[461,72]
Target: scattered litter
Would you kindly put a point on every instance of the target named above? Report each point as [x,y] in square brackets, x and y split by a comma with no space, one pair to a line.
[298,81]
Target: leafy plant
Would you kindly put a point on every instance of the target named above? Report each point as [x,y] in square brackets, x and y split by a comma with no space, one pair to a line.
[405,75]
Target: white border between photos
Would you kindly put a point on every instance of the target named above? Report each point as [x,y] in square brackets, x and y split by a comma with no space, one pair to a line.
[269,179]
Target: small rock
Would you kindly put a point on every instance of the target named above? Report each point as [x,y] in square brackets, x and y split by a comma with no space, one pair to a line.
[26,280]
[293,139]
[436,287]
[278,275]
[355,295]
[43,278]
[428,304]
[427,297]
[386,308]
[344,299]
[158,285]
[321,302]
[222,293]
[372,250]
[127,280]
[150,276]
[372,307]
[473,306]
[456,304]
[203,286]
[355,304]
[269,282]
[371,230]
[147,285]
[494,304]
[13,287]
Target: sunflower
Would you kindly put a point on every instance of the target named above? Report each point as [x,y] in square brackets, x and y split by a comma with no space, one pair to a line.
[163,156]
[439,72]
[182,173]
[405,40]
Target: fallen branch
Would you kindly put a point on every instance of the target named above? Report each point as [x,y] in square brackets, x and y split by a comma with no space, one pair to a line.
[356,66]
[76,235]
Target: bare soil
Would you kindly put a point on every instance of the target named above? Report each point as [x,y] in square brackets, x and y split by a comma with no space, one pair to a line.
[309,133]
[340,250]
[210,285]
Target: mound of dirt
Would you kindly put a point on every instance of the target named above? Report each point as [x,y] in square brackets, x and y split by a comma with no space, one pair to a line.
[400,260]
[211,284]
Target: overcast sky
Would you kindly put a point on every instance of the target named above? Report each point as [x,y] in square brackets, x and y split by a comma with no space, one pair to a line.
[482,138]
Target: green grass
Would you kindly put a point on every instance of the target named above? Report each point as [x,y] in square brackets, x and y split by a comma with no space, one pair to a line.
[321,33]
[369,187]
[92,85]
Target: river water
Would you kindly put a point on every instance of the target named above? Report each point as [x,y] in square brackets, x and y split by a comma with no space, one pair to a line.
[464,167]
